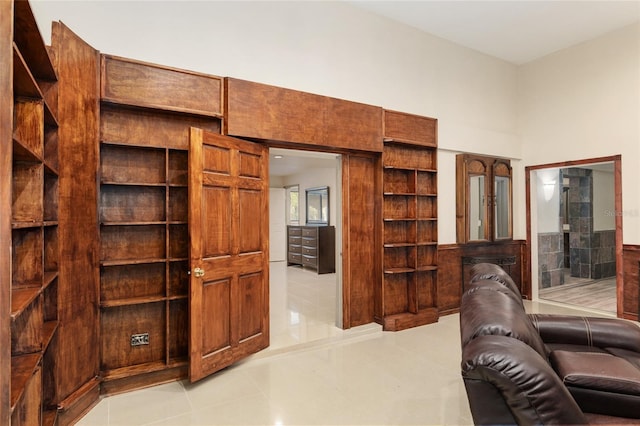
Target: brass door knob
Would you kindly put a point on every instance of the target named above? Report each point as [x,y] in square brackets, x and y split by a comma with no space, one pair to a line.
[198,272]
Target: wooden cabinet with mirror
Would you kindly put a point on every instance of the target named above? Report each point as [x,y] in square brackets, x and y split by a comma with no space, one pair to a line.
[483,199]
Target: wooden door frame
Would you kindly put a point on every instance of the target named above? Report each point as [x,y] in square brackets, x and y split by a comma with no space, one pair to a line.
[617,176]
[342,247]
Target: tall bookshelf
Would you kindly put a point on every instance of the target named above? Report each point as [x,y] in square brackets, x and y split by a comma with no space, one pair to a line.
[34,223]
[145,115]
[410,228]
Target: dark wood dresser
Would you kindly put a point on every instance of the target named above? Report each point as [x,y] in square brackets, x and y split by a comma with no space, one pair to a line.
[312,247]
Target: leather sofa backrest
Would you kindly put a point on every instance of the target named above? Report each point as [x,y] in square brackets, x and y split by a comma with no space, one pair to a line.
[492,272]
[485,311]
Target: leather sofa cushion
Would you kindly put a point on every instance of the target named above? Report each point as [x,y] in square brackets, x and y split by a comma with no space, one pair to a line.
[631,356]
[596,371]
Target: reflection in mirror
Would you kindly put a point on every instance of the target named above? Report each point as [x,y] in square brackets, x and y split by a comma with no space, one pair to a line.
[318,206]
[502,203]
[476,208]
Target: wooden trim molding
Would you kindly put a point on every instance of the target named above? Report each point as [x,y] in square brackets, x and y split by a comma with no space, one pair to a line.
[621,293]
[631,282]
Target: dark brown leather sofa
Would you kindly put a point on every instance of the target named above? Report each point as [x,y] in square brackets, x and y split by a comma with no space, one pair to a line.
[527,369]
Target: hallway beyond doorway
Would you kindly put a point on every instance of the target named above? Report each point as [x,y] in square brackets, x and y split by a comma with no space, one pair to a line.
[303,310]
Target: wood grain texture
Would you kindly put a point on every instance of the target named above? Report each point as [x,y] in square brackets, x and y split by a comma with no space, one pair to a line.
[132,82]
[259,111]
[360,238]
[78,228]
[631,276]
[415,129]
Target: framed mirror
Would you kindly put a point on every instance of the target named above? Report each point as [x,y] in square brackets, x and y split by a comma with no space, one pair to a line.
[317,205]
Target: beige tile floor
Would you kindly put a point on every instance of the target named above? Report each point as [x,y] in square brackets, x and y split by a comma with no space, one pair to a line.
[316,374]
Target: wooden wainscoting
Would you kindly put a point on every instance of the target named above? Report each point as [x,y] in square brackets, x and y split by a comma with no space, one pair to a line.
[631,280]
[456,260]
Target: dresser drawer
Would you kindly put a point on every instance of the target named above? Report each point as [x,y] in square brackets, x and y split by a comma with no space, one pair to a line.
[310,261]
[310,232]
[295,239]
[295,248]
[295,258]
[310,242]
[309,251]
[294,230]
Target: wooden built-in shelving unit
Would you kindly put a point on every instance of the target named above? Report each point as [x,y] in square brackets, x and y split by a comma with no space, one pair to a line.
[34,223]
[146,112]
[409,213]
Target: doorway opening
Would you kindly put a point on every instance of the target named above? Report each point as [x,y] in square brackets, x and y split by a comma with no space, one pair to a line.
[575,234]
[305,305]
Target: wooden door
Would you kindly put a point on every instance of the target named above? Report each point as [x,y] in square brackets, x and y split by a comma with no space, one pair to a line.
[229,259]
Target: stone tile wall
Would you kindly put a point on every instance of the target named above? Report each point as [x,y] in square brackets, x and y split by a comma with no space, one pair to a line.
[550,259]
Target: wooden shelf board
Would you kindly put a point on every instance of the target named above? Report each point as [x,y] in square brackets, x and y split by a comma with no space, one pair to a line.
[123,262]
[400,194]
[398,270]
[178,297]
[393,245]
[22,153]
[154,184]
[22,368]
[162,108]
[49,329]
[29,40]
[49,277]
[50,223]
[50,169]
[427,243]
[133,223]
[25,224]
[49,117]
[131,301]
[408,141]
[427,268]
[21,298]
[24,84]
[399,219]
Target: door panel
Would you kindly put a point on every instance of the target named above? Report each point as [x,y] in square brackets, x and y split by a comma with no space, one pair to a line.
[228,228]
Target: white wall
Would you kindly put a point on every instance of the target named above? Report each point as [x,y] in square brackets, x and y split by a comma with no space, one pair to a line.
[328,48]
[548,210]
[578,103]
[313,178]
[584,102]
[603,201]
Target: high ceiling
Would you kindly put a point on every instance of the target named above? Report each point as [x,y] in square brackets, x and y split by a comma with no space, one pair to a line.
[515,31]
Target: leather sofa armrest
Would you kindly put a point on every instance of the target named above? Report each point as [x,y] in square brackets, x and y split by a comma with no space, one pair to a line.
[506,368]
[588,331]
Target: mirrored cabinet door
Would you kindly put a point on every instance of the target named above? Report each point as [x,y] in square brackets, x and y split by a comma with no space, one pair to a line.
[502,226]
[483,200]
